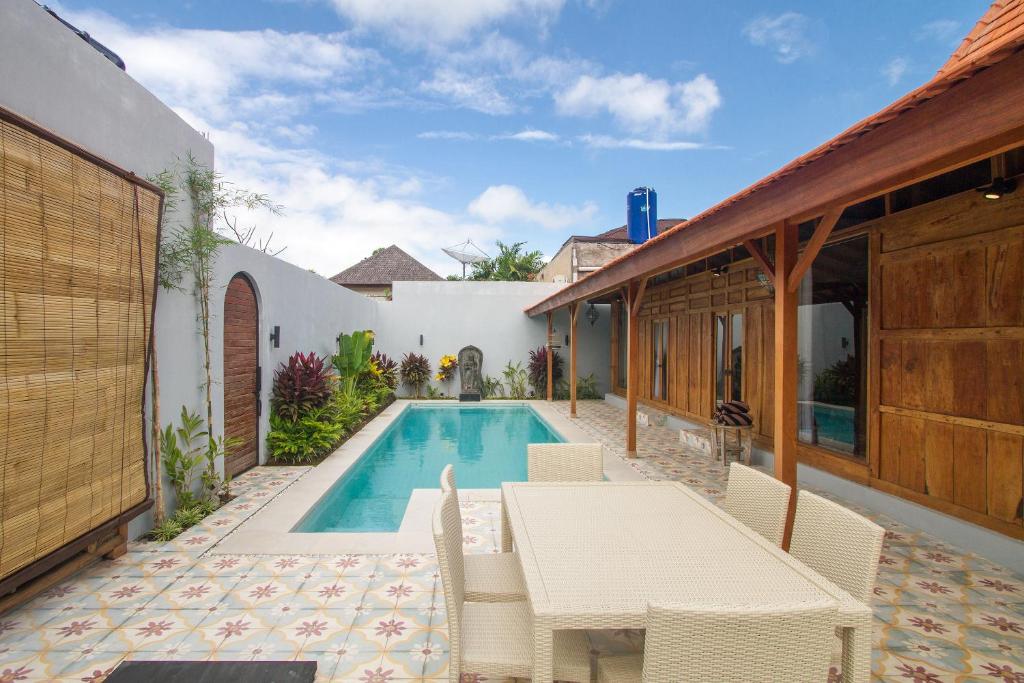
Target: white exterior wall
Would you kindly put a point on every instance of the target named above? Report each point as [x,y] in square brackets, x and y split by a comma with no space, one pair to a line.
[489,315]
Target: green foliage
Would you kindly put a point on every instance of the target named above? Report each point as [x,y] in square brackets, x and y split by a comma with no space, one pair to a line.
[353,357]
[305,439]
[492,388]
[586,389]
[166,531]
[191,516]
[454,278]
[837,384]
[512,263]
[538,369]
[515,380]
[415,371]
[184,450]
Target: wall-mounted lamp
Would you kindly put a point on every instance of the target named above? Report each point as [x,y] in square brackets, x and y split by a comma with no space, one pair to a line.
[567,340]
[592,314]
[421,340]
[719,271]
[998,188]
[275,337]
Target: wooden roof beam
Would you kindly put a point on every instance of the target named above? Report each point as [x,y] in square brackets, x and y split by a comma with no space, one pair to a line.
[814,245]
[762,259]
[639,297]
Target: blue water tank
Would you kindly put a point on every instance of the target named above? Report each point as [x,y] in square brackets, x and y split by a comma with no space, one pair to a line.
[641,214]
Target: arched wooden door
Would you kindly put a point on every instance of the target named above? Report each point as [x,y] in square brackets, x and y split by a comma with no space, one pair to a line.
[241,375]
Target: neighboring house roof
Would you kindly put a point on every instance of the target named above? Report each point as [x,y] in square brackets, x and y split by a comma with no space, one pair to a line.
[620,234]
[997,35]
[387,266]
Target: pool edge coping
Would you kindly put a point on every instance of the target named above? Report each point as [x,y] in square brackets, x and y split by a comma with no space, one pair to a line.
[269,531]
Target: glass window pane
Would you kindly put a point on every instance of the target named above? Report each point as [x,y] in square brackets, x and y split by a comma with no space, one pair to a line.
[659,359]
[832,322]
[736,358]
[720,358]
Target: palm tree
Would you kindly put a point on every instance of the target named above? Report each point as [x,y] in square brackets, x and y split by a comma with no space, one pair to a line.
[512,263]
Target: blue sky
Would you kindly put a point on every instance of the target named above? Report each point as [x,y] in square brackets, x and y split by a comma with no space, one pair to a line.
[424,122]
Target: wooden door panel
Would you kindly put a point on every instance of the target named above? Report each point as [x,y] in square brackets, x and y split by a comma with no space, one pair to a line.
[241,365]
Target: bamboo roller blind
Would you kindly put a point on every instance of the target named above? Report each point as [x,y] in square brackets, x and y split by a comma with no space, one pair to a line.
[77,270]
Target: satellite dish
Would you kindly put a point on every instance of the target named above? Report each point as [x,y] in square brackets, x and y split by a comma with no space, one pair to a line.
[466,253]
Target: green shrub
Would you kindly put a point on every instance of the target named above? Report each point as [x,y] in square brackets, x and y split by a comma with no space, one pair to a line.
[415,371]
[303,383]
[166,531]
[191,516]
[305,439]
[492,388]
[515,380]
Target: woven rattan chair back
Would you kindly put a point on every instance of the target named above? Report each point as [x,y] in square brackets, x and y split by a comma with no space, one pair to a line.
[448,482]
[758,500]
[723,645]
[447,530]
[837,543]
[564,462]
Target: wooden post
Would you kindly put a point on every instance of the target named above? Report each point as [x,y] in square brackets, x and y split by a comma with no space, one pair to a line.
[635,293]
[549,355]
[573,310]
[786,241]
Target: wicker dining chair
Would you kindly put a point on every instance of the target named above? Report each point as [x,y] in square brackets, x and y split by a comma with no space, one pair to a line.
[729,644]
[490,577]
[493,639]
[758,500]
[839,544]
[564,462]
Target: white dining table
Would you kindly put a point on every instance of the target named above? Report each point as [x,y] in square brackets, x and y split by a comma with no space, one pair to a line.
[595,554]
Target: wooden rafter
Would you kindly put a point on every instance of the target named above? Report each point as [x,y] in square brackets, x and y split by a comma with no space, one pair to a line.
[762,260]
[814,245]
[638,298]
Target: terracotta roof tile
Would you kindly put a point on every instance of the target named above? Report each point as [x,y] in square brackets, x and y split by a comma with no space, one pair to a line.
[390,265]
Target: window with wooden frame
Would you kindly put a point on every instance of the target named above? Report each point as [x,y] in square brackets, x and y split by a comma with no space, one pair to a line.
[659,359]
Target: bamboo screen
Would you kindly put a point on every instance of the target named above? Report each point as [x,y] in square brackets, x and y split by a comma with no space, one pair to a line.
[77,269]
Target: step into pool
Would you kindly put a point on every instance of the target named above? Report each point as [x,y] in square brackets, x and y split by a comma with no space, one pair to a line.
[487,445]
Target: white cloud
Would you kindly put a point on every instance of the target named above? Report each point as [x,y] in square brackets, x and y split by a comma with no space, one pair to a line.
[478,93]
[446,135]
[786,35]
[530,135]
[642,104]
[508,203]
[895,70]
[609,142]
[423,22]
[943,30]
[224,74]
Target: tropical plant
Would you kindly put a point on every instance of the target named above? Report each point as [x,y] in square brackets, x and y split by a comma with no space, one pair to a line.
[301,384]
[167,530]
[586,388]
[353,357]
[387,368]
[538,369]
[305,439]
[837,384]
[492,387]
[217,449]
[184,450]
[415,371]
[515,380]
[433,393]
[512,263]
[189,516]
[446,368]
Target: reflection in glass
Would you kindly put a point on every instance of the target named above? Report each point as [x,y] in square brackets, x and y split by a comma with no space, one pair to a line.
[720,360]
[659,358]
[832,322]
[736,357]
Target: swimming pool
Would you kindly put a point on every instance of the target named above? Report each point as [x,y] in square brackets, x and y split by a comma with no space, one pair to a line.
[487,445]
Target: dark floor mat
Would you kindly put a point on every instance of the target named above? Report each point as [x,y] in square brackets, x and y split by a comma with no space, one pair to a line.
[213,672]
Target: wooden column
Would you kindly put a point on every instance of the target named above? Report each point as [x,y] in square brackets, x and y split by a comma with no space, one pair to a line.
[634,295]
[573,310]
[549,354]
[785,365]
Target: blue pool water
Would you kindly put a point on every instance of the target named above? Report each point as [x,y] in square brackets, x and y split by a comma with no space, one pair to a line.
[835,424]
[487,445]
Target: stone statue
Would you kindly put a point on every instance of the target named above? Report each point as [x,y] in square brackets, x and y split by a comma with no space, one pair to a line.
[471,361]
